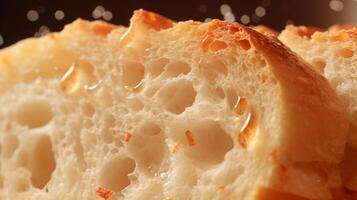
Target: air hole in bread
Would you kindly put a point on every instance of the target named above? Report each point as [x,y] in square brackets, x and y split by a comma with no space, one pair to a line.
[147,146]
[177,96]
[132,74]
[212,68]
[245,44]
[78,76]
[217,45]
[40,160]
[156,67]
[150,128]
[34,114]
[9,144]
[114,173]
[345,53]
[209,145]
[175,68]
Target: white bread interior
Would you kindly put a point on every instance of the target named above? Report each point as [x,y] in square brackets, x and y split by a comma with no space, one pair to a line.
[333,54]
[165,110]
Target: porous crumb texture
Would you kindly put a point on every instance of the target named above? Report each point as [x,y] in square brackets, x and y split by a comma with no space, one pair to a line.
[333,54]
[163,110]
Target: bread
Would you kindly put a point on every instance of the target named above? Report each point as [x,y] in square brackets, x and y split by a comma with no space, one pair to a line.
[333,54]
[338,27]
[266,31]
[165,110]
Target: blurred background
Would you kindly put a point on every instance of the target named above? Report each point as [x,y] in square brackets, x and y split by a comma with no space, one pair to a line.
[33,18]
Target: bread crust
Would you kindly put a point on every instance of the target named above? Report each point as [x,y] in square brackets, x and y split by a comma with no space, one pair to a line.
[266,31]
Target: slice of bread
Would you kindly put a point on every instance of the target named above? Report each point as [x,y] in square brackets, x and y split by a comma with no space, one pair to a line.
[165,110]
[333,54]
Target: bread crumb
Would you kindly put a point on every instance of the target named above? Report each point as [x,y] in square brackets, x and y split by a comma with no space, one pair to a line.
[189,137]
[104,193]
[127,137]
[103,29]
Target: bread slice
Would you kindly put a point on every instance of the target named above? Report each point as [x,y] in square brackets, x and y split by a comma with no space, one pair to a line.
[333,54]
[165,110]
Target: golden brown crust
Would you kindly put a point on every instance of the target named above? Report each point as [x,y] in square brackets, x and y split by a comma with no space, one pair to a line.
[266,31]
[334,34]
[264,193]
[308,31]
[343,194]
[304,31]
[151,20]
[98,27]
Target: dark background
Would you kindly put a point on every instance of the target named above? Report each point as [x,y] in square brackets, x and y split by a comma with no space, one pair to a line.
[15,25]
